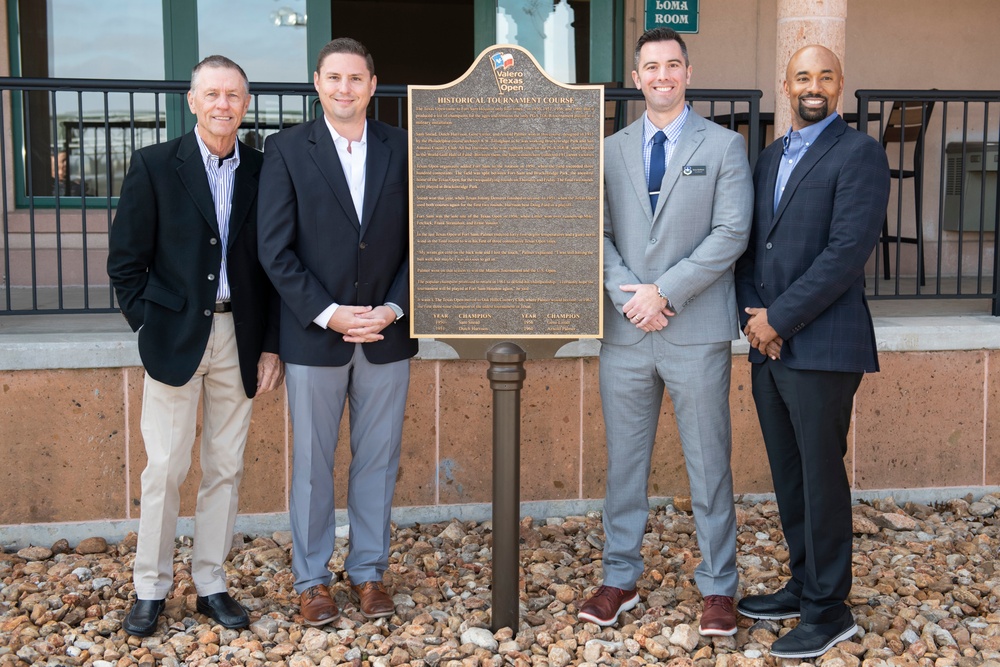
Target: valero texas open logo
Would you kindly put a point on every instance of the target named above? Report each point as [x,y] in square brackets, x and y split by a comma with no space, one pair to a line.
[507,81]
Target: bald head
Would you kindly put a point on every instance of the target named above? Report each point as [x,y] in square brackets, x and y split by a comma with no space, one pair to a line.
[814,82]
[814,55]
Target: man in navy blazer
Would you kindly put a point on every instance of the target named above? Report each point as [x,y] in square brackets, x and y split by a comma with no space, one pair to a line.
[821,194]
[334,237]
[182,256]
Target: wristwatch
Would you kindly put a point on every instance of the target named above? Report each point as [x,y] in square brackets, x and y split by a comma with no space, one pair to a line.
[396,310]
[663,296]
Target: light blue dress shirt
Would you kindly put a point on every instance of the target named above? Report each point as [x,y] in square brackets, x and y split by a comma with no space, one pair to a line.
[797,142]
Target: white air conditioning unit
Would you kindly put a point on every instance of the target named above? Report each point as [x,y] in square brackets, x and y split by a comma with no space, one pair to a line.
[964,202]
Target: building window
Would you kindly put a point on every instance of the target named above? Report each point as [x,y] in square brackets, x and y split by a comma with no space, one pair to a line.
[267,38]
[80,143]
[281,26]
[555,32]
[70,152]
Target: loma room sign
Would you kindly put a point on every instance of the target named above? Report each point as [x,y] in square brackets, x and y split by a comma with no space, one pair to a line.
[681,15]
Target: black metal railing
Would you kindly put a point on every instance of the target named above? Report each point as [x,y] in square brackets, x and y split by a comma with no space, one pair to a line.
[738,110]
[938,241]
[65,146]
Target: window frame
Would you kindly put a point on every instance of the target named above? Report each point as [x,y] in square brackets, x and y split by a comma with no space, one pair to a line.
[605,51]
[180,46]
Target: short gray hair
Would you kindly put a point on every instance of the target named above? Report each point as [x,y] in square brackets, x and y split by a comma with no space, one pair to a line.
[220,62]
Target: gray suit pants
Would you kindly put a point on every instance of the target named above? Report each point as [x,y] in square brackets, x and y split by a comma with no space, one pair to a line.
[697,378]
[316,396]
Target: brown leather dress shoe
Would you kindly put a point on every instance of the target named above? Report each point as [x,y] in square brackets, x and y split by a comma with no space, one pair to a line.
[318,608]
[373,600]
[718,618]
[606,604]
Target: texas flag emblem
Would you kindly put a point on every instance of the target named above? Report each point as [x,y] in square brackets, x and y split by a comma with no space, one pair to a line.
[502,60]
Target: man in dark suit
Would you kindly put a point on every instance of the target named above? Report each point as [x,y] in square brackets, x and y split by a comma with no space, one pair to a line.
[334,240]
[821,195]
[182,257]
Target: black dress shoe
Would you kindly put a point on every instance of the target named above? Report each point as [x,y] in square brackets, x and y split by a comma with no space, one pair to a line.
[141,619]
[223,608]
[810,640]
[773,606]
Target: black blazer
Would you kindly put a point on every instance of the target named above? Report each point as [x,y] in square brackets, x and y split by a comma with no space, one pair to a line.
[806,261]
[317,252]
[164,257]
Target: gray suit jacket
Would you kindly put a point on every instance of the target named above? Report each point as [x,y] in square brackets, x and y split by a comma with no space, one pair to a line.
[689,245]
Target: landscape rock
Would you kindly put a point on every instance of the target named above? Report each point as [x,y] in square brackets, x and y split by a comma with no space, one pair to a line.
[926,593]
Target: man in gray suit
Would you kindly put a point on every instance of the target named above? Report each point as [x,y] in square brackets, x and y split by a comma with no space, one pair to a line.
[678,200]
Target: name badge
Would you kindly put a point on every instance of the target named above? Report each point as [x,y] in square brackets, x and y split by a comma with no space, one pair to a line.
[691,170]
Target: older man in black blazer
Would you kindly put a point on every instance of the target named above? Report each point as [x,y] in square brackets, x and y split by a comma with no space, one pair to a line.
[182,257]
[334,216]
[821,194]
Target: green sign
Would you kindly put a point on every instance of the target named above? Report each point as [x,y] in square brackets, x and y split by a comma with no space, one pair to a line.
[681,15]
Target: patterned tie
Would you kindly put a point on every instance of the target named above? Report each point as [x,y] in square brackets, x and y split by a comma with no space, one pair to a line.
[657,157]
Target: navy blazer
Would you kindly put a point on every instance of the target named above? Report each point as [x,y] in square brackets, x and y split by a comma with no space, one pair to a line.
[318,252]
[164,256]
[805,262]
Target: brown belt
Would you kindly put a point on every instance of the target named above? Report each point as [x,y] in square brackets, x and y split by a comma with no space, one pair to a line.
[223,306]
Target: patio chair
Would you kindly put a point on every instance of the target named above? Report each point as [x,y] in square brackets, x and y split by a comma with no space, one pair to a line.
[906,125]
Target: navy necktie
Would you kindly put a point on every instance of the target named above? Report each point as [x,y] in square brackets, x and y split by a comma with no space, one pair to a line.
[657,158]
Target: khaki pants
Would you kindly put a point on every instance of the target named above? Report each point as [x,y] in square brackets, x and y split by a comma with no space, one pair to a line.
[169,416]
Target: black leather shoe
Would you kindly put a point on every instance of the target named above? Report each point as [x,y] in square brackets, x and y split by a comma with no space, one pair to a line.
[142,617]
[223,608]
[810,640]
[773,606]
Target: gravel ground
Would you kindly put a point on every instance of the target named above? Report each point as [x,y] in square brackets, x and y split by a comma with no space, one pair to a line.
[926,592]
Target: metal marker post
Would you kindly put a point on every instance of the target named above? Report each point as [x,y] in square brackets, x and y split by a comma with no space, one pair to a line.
[506,376]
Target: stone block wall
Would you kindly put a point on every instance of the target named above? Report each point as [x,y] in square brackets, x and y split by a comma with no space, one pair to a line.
[72,448]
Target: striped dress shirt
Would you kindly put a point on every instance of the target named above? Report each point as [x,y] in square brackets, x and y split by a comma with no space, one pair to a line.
[673,132]
[221,174]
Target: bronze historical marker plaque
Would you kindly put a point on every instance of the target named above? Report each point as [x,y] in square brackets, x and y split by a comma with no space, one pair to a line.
[506,203]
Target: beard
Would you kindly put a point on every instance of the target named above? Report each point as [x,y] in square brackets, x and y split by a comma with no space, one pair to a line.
[814,114]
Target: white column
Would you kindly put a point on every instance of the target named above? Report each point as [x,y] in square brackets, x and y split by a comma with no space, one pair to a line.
[506,28]
[529,17]
[560,44]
